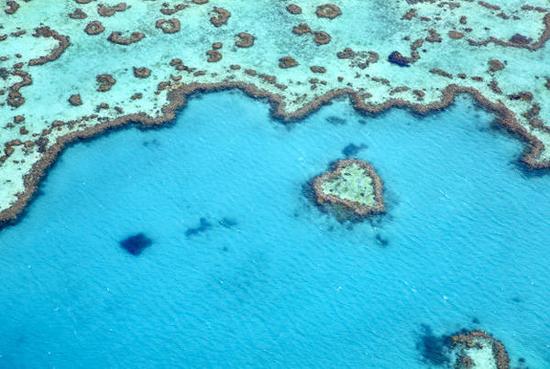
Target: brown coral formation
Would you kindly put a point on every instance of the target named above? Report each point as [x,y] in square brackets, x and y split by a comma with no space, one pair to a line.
[172,25]
[495,65]
[63,44]
[117,38]
[244,40]
[301,29]
[18,33]
[329,11]
[522,96]
[214,56]
[318,69]
[518,40]
[287,62]
[488,5]
[493,85]
[105,82]
[75,100]
[108,11]
[11,7]
[347,53]
[419,94]
[141,72]
[251,72]
[294,9]
[410,14]
[373,57]
[78,14]
[399,59]
[321,38]
[359,59]
[532,115]
[441,72]
[94,28]
[399,89]
[345,205]
[455,35]
[534,8]
[433,36]
[469,340]
[166,10]
[220,16]
[15,98]
[177,63]
[465,362]
[42,144]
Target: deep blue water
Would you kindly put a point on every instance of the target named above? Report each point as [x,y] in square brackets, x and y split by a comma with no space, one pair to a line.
[244,272]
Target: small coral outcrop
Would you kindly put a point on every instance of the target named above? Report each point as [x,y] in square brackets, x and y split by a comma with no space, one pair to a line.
[351,186]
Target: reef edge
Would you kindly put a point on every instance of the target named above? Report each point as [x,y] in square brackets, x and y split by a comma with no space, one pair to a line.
[177,99]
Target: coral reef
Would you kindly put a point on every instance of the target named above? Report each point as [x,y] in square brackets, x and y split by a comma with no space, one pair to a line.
[244,40]
[294,9]
[220,17]
[351,185]
[472,348]
[172,25]
[329,11]
[94,28]
[118,38]
[287,62]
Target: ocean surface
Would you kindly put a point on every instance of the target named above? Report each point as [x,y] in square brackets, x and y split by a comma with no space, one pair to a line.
[244,271]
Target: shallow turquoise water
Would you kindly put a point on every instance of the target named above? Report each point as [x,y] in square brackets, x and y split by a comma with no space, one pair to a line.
[467,237]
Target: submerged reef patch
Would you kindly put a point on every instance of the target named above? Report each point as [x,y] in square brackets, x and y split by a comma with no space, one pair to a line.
[75,100]
[294,9]
[119,39]
[381,240]
[353,149]
[434,349]
[398,59]
[467,349]
[94,28]
[220,16]
[172,25]
[108,11]
[203,226]
[228,222]
[337,121]
[244,40]
[136,244]
[474,349]
[351,186]
[50,46]
[329,11]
